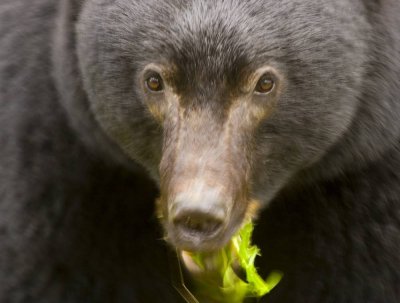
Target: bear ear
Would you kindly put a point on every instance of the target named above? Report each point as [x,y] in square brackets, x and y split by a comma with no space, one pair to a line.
[68,82]
[373,6]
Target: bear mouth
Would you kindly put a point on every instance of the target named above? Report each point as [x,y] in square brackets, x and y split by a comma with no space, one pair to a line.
[227,274]
[199,240]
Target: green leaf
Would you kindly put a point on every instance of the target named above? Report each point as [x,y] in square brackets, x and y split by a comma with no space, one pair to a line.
[220,282]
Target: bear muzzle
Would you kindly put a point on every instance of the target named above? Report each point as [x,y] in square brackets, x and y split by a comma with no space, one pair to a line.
[198,218]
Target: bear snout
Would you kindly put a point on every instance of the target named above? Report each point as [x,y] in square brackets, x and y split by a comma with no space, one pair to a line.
[198,222]
[204,220]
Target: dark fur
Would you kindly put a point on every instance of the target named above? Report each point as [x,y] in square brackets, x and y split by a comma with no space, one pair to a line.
[76,213]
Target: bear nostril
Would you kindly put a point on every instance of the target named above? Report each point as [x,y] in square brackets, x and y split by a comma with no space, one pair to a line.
[197,223]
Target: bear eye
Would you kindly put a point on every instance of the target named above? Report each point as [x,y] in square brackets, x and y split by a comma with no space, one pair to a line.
[265,84]
[154,83]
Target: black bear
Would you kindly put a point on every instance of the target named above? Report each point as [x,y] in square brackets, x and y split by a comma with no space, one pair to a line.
[286,111]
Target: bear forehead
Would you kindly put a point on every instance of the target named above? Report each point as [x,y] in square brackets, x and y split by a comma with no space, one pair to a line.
[210,34]
[200,35]
[211,41]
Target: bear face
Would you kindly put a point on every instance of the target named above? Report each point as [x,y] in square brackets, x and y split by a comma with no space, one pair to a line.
[223,101]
